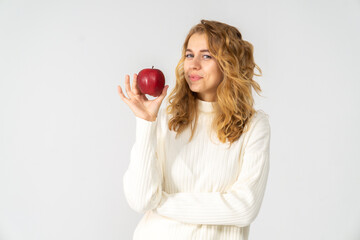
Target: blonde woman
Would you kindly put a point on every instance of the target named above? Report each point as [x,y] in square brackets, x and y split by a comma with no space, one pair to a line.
[199,166]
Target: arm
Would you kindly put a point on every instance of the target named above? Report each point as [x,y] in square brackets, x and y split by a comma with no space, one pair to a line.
[143,178]
[241,204]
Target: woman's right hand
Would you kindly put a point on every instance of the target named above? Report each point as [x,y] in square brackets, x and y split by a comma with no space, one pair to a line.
[141,106]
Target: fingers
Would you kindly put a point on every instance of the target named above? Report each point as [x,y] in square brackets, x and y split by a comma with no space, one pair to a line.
[127,86]
[164,92]
[135,88]
[144,97]
[131,92]
[134,91]
[123,97]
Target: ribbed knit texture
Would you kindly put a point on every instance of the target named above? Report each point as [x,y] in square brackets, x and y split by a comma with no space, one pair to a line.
[201,189]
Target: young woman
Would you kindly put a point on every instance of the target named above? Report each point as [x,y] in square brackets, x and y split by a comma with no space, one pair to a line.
[199,167]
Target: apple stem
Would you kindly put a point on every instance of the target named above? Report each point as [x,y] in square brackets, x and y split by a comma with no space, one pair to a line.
[152,67]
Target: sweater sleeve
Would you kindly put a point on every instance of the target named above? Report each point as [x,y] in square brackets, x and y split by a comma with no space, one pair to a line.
[238,206]
[142,181]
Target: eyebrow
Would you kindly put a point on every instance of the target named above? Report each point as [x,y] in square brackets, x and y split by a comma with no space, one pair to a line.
[203,50]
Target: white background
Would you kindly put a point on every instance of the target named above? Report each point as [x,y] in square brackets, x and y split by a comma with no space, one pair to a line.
[65,134]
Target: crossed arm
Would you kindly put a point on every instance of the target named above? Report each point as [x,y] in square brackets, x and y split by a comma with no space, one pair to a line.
[238,206]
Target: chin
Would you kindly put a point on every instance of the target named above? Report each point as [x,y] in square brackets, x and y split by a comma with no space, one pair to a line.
[194,89]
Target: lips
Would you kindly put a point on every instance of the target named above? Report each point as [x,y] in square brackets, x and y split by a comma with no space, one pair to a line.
[194,77]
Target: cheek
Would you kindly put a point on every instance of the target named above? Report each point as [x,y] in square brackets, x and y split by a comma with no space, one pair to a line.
[216,72]
[185,69]
[186,65]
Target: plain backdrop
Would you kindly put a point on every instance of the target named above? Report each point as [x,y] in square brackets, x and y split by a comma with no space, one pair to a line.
[65,134]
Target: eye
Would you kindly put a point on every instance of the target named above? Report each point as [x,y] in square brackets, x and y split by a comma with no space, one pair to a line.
[207,56]
[188,55]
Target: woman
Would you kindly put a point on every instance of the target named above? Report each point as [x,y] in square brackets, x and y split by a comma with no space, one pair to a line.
[199,167]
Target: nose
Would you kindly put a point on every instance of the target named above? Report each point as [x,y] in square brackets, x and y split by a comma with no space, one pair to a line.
[195,63]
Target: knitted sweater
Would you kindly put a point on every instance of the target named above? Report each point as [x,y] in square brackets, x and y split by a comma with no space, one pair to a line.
[201,189]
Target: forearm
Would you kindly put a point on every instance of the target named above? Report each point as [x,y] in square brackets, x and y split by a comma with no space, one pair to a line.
[142,180]
[239,206]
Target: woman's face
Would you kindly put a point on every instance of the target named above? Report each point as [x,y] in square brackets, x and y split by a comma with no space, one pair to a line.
[202,72]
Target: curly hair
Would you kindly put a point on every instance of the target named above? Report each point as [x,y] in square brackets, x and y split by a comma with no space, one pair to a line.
[234,100]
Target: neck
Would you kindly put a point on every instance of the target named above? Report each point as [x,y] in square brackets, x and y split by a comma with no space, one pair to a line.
[204,106]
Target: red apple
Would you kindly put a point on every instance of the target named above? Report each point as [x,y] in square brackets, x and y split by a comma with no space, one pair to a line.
[151,81]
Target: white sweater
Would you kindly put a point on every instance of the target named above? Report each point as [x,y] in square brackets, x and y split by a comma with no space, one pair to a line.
[199,190]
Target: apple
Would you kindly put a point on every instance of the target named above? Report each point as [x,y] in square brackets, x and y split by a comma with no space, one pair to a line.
[151,81]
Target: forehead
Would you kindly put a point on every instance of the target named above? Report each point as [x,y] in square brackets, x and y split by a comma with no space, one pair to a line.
[198,41]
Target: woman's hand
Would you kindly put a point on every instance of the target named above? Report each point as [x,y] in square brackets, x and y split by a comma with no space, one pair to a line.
[138,102]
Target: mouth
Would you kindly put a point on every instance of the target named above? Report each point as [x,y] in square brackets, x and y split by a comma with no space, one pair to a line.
[195,77]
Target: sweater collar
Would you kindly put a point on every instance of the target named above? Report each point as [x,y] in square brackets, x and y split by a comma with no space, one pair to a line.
[204,106]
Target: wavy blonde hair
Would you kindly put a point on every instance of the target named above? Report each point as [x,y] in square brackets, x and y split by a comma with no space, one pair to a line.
[234,100]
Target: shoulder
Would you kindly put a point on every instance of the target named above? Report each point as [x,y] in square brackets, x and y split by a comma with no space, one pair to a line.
[259,123]
[259,114]
[260,117]
[259,133]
